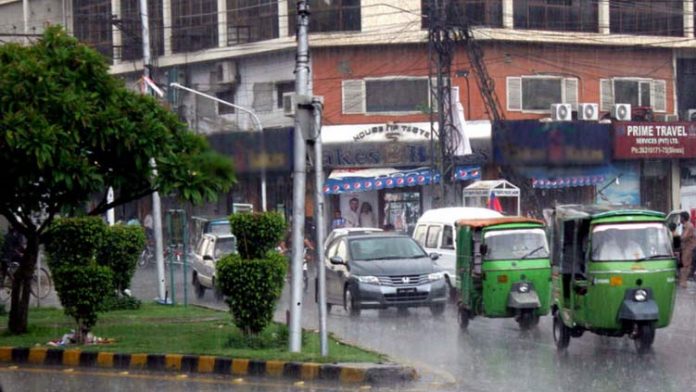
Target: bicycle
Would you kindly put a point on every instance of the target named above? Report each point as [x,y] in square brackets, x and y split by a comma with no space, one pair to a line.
[38,291]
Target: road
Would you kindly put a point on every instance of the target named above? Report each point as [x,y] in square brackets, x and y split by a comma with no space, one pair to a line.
[494,355]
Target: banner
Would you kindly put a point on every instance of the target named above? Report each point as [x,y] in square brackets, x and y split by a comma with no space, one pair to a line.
[638,140]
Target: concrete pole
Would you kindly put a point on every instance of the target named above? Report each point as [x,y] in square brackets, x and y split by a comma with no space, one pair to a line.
[116,36]
[321,235]
[299,180]
[156,203]
[508,10]
[25,14]
[603,15]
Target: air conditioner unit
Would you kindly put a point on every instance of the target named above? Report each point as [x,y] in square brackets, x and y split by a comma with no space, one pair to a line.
[691,115]
[621,112]
[226,72]
[289,104]
[588,111]
[561,112]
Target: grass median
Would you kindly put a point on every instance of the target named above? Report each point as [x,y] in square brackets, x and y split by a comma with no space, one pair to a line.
[158,329]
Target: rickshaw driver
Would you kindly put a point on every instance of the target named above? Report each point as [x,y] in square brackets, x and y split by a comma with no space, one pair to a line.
[620,246]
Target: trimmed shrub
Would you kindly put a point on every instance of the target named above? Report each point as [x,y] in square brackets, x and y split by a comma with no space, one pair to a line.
[120,250]
[252,288]
[74,241]
[257,233]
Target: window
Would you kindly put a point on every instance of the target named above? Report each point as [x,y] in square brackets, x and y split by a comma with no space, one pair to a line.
[386,95]
[447,238]
[227,95]
[92,24]
[559,15]
[419,235]
[327,16]
[647,17]
[251,20]
[263,97]
[282,88]
[634,91]
[477,12]
[537,93]
[132,33]
[433,234]
[194,25]
[342,251]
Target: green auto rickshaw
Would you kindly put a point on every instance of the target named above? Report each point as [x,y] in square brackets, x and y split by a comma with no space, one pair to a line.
[503,269]
[614,273]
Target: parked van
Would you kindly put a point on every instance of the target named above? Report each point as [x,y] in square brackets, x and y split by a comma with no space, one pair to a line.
[435,232]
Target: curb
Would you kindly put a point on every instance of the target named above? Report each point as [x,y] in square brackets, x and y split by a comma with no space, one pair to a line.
[205,364]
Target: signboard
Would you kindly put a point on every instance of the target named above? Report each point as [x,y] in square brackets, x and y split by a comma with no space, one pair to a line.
[254,151]
[396,154]
[531,142]
[638,140]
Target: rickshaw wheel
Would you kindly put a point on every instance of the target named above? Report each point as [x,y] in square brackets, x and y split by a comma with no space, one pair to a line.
[527,319]
[463,318]
[561,333]
[645,338]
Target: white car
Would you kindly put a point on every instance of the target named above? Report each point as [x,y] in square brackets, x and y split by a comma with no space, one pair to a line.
[349,231]
[208,251]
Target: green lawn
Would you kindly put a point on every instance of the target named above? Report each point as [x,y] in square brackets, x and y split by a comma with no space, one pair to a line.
[181,330]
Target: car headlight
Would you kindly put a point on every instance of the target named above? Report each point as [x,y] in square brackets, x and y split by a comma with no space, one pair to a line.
[436,276]
[368,279]
[640,295]
[523,288]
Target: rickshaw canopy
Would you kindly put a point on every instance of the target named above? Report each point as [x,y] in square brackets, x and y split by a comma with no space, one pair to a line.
[479,223]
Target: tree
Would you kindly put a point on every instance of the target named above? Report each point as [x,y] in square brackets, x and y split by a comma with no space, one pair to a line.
[69,131]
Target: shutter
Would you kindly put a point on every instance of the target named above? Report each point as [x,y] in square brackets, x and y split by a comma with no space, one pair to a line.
[606,94]
[570,87]
[658,95]
[263,97]
[514,94]
[353,96]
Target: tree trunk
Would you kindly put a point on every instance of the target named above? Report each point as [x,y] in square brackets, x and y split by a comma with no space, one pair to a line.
[21,287]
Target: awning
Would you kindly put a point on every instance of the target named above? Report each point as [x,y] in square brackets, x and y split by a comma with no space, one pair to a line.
[569,177]
[463,173]
[363,180]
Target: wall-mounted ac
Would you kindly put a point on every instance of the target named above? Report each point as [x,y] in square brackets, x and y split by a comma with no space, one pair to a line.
[691,115]
[621,112]
[226,72]
[588,111]
[561,112]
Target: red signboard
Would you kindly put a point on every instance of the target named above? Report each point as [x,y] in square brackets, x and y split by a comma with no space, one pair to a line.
[636,140]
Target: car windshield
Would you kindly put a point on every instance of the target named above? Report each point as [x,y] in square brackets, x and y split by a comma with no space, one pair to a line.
[516,244]
[225,246]
[384,248]
[220,228]
[630,242]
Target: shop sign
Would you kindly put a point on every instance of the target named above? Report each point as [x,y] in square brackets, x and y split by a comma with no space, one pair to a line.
[253,152]
[531,142]
[392,132]
[638,140]
[376,154]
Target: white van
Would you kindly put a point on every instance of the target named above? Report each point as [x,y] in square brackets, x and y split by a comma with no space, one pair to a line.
[436,234]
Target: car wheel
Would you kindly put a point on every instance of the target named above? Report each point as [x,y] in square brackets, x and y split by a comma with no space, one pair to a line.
[350,304]
[200,290]
[561,333]
[437,309]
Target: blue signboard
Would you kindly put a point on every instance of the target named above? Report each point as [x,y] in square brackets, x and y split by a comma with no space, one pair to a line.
[531,142]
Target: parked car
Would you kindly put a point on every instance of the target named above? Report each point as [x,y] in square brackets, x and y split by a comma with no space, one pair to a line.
[208,225]
[381,270]
[335,233]
[436,233]
[208,251]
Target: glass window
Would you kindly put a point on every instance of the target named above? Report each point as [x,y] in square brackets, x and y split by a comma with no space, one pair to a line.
[540,93]
[401,210]
[433,235]
[635,92]
[251,21]
[92,24]
[342,250]
[647,17]
[397,95]
[477,12]
[559,15]
[384,248]
[194,25]
[327,16]
[516,244]
[282,88]
[419,234]
[447,238]
[132,33]
[228,96]
[630,242]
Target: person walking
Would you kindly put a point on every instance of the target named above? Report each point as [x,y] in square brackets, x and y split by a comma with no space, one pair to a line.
[688,244]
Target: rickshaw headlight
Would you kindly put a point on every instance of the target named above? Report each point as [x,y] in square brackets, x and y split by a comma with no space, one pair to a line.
[523,288]
[640,295]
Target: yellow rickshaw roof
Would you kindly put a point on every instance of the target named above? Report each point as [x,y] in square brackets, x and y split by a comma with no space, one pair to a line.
[497,221]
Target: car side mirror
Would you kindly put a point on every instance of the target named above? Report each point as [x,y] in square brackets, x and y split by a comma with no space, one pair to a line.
[434,256]
[337,260]
[208,257]
[483,249]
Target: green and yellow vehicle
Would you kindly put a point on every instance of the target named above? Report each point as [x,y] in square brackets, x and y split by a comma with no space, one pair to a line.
[503,269]
[614,273]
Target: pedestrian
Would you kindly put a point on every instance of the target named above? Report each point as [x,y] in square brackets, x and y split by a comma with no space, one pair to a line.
[338,221]
[353,216]
[688,243]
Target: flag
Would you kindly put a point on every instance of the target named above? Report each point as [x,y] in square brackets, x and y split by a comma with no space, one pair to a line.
[494,203]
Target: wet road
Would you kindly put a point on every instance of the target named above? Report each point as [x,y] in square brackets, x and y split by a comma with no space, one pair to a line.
[494,355]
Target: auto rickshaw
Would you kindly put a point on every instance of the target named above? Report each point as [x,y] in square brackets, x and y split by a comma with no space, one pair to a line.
[503,269]
[614,273]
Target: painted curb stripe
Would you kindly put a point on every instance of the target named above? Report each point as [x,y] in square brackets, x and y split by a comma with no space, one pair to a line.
[88,358]
[223,366]
[275,368]
[122,361]
[240,367]
[54,356]
[138,361]
[71,357]
[292,370]
[206,364]
[172,361]
[256,368]
[155,362]
[20,354]
[309,371]
[352,375]
[37,356]
[105,360]
[6,354]
[329,372]
[189,363]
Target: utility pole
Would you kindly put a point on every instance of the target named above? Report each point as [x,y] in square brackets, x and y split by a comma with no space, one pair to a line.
[299,179]
[156,203]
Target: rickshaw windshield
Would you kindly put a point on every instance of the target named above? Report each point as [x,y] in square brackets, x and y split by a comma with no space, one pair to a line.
[516,244]
[630,242]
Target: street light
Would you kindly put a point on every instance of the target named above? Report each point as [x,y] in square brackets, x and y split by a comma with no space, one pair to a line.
[257,124]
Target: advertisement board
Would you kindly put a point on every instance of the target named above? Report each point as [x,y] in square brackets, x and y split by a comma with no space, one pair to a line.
[639,140]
